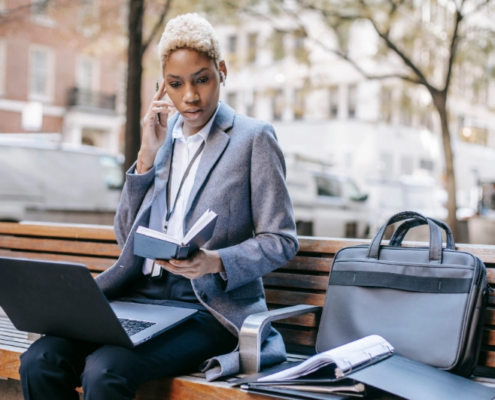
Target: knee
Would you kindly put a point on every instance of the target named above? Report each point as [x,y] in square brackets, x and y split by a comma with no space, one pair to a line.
[39,356]
[103,376]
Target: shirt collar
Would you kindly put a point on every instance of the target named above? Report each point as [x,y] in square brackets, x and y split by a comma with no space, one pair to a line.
[178,132]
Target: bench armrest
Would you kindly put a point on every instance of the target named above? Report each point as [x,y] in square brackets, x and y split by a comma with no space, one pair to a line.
[250,335]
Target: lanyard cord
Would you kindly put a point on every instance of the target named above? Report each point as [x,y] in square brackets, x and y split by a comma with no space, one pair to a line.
[170,211]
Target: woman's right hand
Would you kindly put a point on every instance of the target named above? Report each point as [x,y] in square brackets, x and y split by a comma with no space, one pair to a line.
[154,130]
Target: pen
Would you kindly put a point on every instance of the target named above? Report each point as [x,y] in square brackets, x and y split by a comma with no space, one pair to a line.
[157,88]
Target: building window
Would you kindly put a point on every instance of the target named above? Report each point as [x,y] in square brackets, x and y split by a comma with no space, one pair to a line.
[300,52]
[386,164]
[232,44]
[333,100]
[41,74]
[87,74]
[232,99]
[251,100]
[406,165]
[386,104]
[473,134]
[278,47]
[351,101]
[277,105]
[299,100]
[428,165]
[252,46]
[3,65]
[406,108]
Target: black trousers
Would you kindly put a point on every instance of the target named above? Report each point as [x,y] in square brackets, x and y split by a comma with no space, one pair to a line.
[53,367]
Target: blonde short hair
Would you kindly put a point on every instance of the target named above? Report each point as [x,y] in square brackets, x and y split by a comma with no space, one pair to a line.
[189,31]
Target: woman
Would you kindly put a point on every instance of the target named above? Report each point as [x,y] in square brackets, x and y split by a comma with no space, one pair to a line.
[204,157]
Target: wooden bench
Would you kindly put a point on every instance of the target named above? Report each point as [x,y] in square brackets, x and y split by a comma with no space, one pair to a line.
[302,281]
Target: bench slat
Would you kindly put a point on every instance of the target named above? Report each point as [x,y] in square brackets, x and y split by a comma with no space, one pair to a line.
[303,263]
[284,297]
[60,246]
[192,388]
[487,358]
[310,320]
[304,338]
[332,245]
[299,281]
[54,230]
[93,263]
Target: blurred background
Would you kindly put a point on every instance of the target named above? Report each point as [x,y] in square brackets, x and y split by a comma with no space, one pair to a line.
[379,106]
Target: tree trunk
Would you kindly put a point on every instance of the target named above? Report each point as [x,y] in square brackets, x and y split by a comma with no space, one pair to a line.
[440,102]
[134,74]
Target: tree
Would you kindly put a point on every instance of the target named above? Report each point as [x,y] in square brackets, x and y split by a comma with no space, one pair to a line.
[406,30]
[135,52]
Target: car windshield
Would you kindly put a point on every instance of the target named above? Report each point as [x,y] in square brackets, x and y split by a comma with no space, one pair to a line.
[350,190]
[328,186]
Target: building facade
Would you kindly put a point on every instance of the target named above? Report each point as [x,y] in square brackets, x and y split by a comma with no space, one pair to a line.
[56,77]
[322,107]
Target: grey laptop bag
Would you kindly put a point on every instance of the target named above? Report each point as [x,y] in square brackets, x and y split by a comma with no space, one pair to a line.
[428,302]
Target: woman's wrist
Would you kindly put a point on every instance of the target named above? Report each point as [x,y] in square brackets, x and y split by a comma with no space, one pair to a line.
[216,264]
[145,161]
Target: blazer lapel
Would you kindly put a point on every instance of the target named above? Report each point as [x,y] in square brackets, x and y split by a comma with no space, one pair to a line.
[215,145]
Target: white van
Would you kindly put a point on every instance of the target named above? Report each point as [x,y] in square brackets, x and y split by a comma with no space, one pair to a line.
[46,181]
[387,197]
[326,204]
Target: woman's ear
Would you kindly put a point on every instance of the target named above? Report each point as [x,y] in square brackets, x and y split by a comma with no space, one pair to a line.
[223,71]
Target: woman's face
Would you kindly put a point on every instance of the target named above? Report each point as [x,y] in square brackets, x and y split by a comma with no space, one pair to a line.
[193,84]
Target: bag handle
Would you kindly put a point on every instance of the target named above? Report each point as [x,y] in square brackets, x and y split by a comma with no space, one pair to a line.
[435,255]
[402,230]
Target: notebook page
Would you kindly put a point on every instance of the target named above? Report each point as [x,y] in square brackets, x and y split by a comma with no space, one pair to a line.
[199,225]
[344,357]
[157,235]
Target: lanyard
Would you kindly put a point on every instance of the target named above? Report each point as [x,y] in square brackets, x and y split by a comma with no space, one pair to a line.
[170,211]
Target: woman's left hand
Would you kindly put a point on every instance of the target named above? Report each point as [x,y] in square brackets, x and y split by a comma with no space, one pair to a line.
[200,263]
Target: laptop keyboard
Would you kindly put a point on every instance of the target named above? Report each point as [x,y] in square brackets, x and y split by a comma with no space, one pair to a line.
[133,326]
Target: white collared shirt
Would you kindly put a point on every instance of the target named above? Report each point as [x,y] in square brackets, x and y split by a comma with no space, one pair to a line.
[184,150]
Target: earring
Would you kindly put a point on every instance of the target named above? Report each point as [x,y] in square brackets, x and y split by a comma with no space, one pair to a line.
[222,74]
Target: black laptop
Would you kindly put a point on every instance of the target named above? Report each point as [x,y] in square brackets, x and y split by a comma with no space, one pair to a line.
[62,299]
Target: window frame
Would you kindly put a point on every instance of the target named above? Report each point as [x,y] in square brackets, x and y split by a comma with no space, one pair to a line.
[48,95]
[3,65]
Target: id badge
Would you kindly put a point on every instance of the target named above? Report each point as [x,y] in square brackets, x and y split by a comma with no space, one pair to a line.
[156,272]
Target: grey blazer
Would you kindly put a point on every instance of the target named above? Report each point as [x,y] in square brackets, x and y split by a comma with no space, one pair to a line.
[241,176]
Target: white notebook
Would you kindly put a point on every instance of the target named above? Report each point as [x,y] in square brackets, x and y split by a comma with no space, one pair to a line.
[347,358]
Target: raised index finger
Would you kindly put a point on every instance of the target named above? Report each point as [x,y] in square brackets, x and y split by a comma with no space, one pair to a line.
[161,91]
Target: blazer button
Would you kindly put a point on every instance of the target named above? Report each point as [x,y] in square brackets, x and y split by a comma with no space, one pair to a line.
[204,297]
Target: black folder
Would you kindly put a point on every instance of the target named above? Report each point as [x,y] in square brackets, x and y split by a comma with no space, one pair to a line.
[395,375]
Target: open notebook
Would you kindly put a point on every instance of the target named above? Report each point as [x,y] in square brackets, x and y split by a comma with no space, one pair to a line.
[345,359]
[156,245]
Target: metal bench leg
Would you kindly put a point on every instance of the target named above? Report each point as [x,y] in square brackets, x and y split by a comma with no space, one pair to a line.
[250,335]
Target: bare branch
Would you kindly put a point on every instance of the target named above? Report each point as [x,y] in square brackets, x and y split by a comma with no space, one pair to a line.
[392,46]
[157,26]
[358,68]
[477,8]
[453,48]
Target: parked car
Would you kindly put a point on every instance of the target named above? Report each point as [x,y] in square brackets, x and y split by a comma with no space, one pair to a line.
[326,204]
[388,197]
[43,180]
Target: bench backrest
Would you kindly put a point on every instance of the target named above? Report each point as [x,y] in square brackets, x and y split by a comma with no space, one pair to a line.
[304,280]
